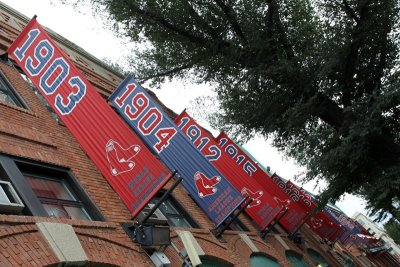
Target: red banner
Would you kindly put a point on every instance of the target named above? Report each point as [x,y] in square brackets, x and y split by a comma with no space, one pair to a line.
[129,167]
[296,213]
[326,228]
[322,224]
[298,194]
[264,208]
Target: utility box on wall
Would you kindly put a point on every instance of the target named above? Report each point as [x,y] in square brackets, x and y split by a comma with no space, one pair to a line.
[152,235]
[159,259]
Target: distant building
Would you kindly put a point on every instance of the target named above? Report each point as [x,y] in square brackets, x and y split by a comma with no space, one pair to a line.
[379,233]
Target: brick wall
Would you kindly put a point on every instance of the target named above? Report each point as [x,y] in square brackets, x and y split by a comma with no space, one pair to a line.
[21,243]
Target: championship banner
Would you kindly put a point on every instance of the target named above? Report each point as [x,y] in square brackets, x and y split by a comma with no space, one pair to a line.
[214,194]
[295,214]
[322,224]
[299,194]
[342,220]
[128,166]
[350,236]
[361,236]
[326,228]
[353,231]
[264,208]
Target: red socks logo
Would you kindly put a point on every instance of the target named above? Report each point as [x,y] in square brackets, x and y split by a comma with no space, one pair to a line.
[316,223]
[284,203]
[253,195]
[120,159]
[205,186]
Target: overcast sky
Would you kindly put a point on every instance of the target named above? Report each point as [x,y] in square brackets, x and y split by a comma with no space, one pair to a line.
[88,33]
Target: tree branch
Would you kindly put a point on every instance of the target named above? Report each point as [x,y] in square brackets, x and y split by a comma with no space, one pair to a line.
[165,73]
[329,111]
[230,14]
[269,18]
[384,149]
[274,20]
[166,24]
[222,46]
[352,56]
[349,11]
[200,20]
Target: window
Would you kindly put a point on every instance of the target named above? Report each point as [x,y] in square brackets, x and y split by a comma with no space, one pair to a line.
[57,198]
[361,222]
[317,258]
[174,213]
[7,93]
[47,190]
[35,90]
[295,259]
[41,98]
[259,260]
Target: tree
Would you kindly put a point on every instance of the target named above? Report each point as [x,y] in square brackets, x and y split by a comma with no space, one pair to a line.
[319,77]
[392,228]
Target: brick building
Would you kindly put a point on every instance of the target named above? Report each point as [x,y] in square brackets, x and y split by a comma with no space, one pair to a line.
[58,210]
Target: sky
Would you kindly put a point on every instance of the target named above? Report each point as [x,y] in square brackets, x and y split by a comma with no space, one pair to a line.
[89,33]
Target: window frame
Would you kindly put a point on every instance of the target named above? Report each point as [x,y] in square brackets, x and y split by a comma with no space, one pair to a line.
[76,202]
[11,92]
[25,77]
[13,170]
[178,207]
[39,96]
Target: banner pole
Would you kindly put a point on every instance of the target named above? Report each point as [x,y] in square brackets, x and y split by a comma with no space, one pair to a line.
[218,232]
[268,229]
[309,215]
[322,201]
[163,197]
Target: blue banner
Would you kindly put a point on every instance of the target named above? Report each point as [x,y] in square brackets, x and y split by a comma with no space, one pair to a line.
[214,194]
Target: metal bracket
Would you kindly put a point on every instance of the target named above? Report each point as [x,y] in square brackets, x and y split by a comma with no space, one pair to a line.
[160,201]
[269,228]
[220,230]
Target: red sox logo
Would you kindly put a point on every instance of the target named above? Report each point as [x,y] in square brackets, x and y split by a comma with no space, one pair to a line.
[282,204]
[119,158]
[253,195]
[316,223]
[205,186]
